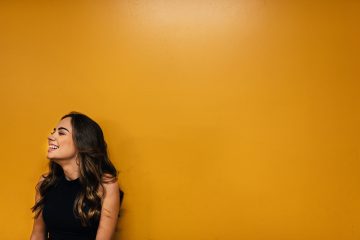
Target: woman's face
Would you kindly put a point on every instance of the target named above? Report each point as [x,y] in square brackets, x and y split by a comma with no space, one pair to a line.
[61,144]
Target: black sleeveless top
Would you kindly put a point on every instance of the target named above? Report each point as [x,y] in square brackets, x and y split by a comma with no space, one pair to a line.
[60,221]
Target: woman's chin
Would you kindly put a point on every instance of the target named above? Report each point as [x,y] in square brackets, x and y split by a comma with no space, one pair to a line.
[51,157]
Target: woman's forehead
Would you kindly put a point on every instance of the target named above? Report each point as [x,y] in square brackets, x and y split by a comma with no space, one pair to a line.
[66,123]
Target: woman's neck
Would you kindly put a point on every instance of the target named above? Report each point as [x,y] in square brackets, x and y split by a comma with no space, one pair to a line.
[71,171]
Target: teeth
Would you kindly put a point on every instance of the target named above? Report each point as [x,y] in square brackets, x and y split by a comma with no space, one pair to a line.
[53,147]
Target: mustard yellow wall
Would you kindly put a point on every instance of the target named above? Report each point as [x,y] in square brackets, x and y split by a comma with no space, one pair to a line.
[227,119]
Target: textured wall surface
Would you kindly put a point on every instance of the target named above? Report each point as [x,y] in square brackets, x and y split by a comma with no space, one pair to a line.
[227,119]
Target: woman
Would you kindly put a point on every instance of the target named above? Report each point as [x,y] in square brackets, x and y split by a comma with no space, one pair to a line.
[79,197]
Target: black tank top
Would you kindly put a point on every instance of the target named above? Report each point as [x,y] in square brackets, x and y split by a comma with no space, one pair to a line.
[60,221]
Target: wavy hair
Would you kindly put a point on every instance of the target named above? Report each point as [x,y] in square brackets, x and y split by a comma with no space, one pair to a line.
[95,169]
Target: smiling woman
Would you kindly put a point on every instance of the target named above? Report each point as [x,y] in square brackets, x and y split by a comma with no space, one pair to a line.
[67,150]
[79,198]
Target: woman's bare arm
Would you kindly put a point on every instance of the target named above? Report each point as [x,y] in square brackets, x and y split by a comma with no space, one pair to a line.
[38,231]
[109,211]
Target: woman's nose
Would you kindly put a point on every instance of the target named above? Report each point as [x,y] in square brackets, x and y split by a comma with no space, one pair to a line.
[51,137]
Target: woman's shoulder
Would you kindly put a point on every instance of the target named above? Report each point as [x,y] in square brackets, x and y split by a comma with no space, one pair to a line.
[43,176]
[41,179]
[109,184]
[108,178]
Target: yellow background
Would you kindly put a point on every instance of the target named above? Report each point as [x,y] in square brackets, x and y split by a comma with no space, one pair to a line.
[227,119]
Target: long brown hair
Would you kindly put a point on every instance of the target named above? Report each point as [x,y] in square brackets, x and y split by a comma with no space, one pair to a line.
[95,169]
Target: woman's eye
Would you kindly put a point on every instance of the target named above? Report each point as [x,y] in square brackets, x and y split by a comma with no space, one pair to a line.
[61,133]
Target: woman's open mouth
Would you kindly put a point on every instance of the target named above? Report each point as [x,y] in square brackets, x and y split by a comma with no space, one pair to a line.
[52,147]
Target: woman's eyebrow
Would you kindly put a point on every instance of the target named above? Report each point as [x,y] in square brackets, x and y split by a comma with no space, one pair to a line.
[62,128]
